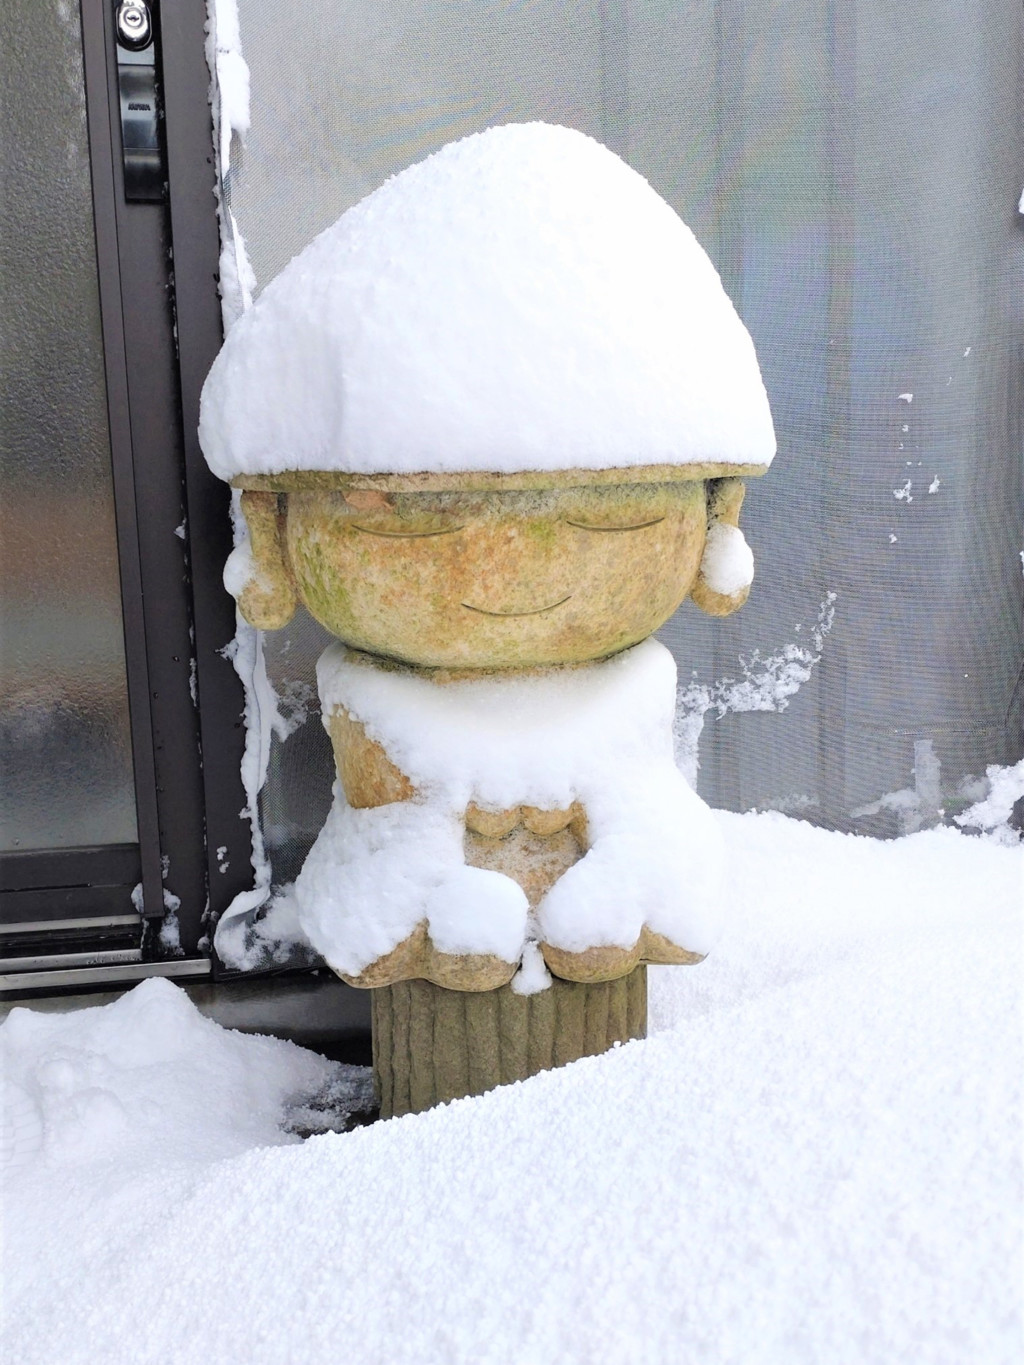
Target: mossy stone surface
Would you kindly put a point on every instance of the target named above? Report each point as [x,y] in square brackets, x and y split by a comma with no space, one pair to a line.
[431,1045]
[496,579]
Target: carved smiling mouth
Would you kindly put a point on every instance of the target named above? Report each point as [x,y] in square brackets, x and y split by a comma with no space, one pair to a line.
[535,611]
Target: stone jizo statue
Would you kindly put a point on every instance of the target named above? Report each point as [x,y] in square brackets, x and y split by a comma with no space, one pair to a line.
[491,430]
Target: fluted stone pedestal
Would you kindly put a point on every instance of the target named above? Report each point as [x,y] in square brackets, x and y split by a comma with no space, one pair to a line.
[432,1044]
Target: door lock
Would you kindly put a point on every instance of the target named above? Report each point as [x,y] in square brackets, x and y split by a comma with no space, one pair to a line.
[134,25]
[142,152]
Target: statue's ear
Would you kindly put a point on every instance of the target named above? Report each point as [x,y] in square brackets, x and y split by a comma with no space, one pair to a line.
[727,566]
[257,574]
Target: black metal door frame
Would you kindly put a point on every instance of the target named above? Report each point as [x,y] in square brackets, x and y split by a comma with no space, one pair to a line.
[161,329]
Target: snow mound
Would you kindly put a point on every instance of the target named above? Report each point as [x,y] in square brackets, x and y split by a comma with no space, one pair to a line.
[520,300]
[816,1158]
[107,1083]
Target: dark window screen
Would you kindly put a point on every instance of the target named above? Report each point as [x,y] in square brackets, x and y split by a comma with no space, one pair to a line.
[853,170]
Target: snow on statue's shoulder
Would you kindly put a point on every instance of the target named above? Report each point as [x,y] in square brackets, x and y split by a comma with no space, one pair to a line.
[521,300]
[599,734]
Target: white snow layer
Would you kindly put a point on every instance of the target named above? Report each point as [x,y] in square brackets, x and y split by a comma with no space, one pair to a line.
[229,104]
[263,721]
[522,299]
[815,1158]
[600,734]
[229,73]
[229,108]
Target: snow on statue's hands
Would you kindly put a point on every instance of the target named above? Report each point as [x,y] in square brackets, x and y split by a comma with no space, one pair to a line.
[492,458]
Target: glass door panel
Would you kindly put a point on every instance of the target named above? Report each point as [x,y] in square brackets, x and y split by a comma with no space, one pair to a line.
[66,775]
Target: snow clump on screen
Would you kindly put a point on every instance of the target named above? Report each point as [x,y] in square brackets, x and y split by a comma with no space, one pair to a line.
[520,300]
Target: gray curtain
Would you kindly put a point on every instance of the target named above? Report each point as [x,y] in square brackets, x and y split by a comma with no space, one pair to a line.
[853,169]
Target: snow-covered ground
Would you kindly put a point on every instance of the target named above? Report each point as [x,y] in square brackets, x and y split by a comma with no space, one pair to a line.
[816,1157]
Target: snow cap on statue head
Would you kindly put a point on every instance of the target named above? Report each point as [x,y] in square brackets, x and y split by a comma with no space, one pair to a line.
[520,301]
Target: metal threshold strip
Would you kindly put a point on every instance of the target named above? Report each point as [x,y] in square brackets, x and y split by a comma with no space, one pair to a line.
[115,974]
[56,926]
[97,957]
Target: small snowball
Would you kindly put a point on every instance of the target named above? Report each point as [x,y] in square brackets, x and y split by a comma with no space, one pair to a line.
[728,563]
[239,569]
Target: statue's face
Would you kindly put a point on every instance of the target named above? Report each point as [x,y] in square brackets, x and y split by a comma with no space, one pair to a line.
[492,580]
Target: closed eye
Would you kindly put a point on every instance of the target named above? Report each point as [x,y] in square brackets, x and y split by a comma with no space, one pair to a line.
[637,526]
[405,535]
